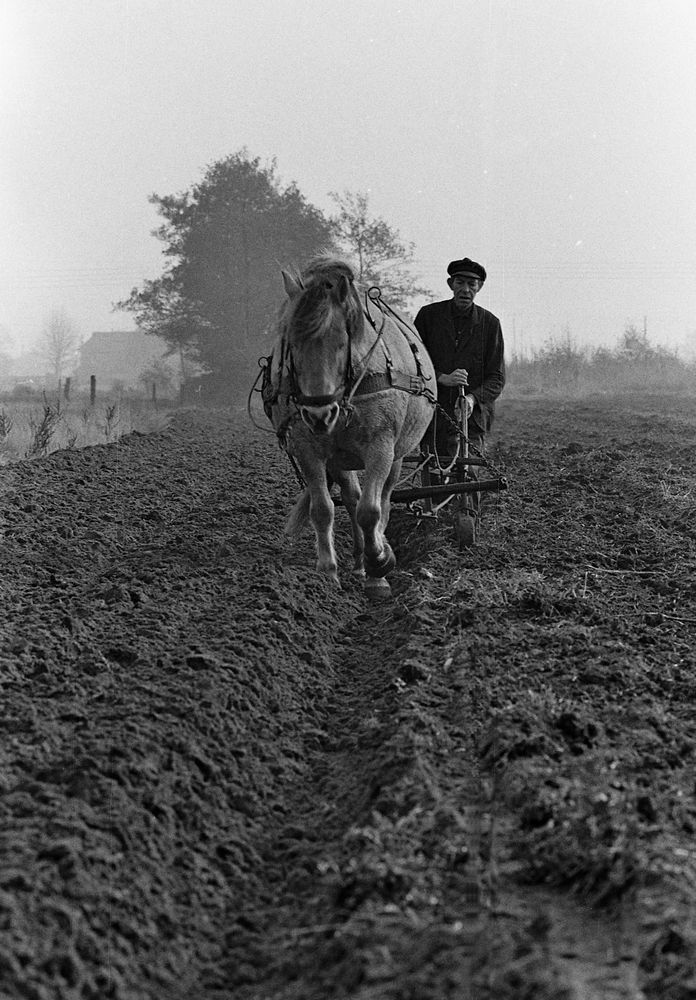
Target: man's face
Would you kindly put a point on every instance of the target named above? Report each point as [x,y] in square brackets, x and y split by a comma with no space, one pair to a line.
[464,288]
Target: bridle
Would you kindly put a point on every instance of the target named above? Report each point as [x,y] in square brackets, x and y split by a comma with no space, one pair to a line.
[302,399]
[345,391]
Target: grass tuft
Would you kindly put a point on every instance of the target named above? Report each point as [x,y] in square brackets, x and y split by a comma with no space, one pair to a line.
[42,430]
[29,431]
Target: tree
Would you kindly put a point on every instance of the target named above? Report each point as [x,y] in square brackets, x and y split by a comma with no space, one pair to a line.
[380,255]
[159,374]
[226,240]
[635,349]
[58,342]
[634,344]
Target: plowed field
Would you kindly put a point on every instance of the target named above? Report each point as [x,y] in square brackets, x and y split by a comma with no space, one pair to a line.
[223,779]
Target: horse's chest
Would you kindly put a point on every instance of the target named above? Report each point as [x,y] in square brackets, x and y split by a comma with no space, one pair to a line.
[348,458]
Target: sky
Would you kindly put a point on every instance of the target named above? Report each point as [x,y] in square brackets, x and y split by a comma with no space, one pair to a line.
[554,141]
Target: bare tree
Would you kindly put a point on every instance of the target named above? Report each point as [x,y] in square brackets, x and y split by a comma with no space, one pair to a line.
[58,341]
[381,255]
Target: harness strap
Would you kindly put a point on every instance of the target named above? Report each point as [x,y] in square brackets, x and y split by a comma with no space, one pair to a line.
[327,400]
[370,382]
[377,381]
[366,382]
[355,389]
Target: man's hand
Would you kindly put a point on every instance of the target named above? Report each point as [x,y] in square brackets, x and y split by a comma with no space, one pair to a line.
[459,376]
[467,402]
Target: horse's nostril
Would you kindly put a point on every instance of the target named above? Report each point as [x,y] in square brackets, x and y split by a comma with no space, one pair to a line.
[320,419]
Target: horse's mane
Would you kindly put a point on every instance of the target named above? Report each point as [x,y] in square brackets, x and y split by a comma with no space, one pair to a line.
[311,313]
[326,266]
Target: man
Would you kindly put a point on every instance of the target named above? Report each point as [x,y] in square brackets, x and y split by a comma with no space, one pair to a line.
[465,343]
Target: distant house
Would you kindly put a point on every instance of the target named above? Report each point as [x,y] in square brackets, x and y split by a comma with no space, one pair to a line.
[118,357]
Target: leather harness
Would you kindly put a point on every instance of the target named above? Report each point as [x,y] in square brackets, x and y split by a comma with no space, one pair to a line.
[364,384]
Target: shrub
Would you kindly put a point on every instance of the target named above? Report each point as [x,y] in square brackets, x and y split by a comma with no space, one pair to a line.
[634,365]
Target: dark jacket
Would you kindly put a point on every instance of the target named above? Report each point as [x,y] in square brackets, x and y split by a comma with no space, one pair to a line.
[480,351]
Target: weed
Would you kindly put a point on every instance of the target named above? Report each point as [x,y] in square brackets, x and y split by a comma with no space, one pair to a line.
[110,420]
[6,422]
[27,432]
[42,431]
[70,438]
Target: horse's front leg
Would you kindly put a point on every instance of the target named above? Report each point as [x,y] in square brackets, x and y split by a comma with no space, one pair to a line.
[321,516]
[380,477]
[389,485]
[350,494]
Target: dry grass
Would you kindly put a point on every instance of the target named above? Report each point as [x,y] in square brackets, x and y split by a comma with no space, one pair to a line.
[32,429]
[680,490]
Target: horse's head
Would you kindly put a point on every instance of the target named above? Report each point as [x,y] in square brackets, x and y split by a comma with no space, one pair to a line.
[322,317]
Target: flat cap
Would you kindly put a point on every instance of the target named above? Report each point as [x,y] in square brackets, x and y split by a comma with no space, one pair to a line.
[467,266]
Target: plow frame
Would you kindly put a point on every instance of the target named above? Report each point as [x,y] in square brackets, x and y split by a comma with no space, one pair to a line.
[430,482]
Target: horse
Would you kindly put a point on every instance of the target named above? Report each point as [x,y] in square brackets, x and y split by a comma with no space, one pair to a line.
[349,386]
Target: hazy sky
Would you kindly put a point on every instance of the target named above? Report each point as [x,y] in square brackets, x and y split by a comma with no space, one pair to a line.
[552,140]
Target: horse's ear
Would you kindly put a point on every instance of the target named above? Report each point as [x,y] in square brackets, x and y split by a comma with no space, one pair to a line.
[341,289]
[293,286]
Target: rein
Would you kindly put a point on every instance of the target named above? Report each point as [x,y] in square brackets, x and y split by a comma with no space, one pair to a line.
[374,295]
[264,365]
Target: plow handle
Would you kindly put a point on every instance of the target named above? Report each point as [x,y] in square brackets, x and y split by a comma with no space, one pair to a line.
[463,421]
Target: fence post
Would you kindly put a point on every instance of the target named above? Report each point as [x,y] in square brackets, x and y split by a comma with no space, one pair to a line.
[92,389]
[66,388]
[154,393]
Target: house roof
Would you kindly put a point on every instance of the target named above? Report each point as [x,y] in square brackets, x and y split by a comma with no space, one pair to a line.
[119,355]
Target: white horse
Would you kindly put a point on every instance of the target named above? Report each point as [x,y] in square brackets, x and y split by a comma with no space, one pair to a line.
[350,387]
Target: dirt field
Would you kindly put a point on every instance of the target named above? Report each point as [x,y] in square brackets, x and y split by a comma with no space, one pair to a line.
[222,779]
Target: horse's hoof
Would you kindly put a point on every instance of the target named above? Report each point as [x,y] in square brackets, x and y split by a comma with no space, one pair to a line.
[385,564]
[377,589]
